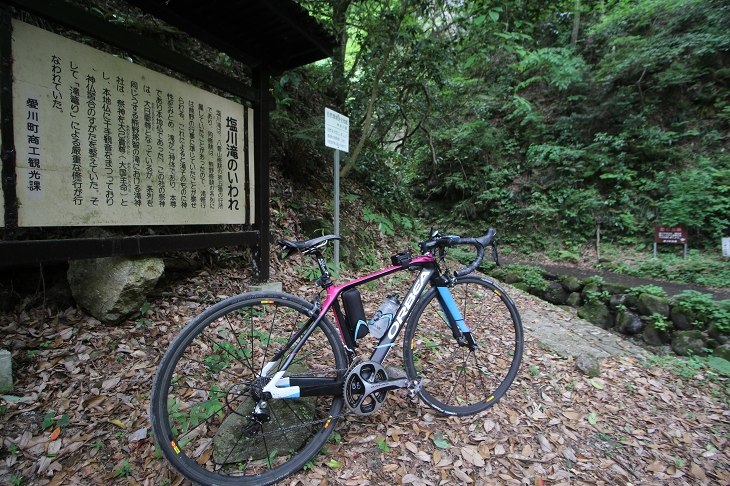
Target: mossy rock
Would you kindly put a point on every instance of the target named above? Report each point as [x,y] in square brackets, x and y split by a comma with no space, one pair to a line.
[689,343]
[522,287]
[651,304]
[682,319]
[655,337]
[497,273]
[512,277]
[596,313]
[554,293]
[574,300]
[591,287]
[722,337]
[722,351]
[617,300]
[231,446]
[629,323]
[571,284]
[614,288]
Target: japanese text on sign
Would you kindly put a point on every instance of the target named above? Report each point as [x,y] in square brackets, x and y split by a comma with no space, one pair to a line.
[669,235]
[108,142]
[336,130]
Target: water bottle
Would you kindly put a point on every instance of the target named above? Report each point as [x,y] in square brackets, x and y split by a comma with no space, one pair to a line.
[384,316]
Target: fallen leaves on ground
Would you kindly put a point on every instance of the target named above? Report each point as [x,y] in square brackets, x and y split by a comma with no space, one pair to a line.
[80,413]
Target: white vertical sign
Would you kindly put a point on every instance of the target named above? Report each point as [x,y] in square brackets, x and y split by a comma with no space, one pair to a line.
[726,247]
[336,130]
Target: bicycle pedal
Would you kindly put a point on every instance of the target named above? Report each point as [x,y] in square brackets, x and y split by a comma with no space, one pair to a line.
[414,386]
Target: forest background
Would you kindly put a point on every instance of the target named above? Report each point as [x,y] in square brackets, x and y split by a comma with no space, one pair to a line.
[556,122]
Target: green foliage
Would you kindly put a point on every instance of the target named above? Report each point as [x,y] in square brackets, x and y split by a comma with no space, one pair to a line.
[720,365]
[660,322]
[647,289]
[384,224]
[125,469]
[697,303]
[699,198]
[49,420]
[531,276]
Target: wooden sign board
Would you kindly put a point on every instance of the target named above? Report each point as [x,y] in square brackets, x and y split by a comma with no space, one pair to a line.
[103,141]
[670,235]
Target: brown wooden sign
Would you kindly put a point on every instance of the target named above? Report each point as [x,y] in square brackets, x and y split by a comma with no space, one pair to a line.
[670,235]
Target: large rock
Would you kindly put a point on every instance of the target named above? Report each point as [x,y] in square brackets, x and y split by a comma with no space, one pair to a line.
[629,323]
[596,312]
[574,300]
[112,289]
[617,300]
[655,337]
[722,351]
[571,284]
[651,304]
[721,336]
[683,320]
[590,287]
[588,365]
[555,293]
[686,343]
[615,288]
[231,446]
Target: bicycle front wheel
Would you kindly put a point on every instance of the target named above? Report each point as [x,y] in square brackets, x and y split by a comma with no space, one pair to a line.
[458,379]
[204,401]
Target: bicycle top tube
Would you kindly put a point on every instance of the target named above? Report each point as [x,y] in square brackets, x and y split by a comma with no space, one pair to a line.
[334,291]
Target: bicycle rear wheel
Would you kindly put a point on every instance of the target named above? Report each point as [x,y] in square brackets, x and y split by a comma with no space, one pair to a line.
[201,405]
[458,380]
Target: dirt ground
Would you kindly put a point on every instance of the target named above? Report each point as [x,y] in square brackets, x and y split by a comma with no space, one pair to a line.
[79,411]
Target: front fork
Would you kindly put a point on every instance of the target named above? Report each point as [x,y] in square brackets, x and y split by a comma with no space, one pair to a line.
[459,329]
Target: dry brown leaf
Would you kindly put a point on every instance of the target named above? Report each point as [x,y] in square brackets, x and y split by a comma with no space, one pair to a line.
[110,383]
[697,472]
[572,415]
[423,456]
[463,477]
[472,456]
[411,447]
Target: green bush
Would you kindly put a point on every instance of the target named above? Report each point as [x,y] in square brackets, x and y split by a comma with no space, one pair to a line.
[531,276]
[647,289]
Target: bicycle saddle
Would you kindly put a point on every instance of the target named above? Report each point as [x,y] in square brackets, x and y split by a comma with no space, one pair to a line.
[305,246]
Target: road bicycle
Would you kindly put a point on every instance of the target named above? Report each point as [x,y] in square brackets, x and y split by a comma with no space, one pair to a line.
[250,390]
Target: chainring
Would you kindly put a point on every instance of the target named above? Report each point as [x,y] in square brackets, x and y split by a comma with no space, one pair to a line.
[358,393]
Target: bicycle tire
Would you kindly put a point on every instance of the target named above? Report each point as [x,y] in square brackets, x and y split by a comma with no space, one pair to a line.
[455,379]
[201,395]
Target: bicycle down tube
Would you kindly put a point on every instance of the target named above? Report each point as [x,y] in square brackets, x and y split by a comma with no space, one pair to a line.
[281,387]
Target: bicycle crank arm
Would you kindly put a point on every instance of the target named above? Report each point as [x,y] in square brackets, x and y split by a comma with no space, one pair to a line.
[413,386]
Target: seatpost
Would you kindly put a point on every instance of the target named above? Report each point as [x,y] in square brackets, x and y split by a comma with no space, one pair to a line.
[324,281]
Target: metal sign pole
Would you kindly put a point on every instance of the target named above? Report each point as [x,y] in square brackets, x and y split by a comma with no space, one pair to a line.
[337,136]
[337,208]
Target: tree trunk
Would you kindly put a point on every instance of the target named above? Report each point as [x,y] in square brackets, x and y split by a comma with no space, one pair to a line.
[576,23]
[374,92]
[339,81]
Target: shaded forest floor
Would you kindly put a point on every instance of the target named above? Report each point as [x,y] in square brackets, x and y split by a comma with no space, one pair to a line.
[85,390]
